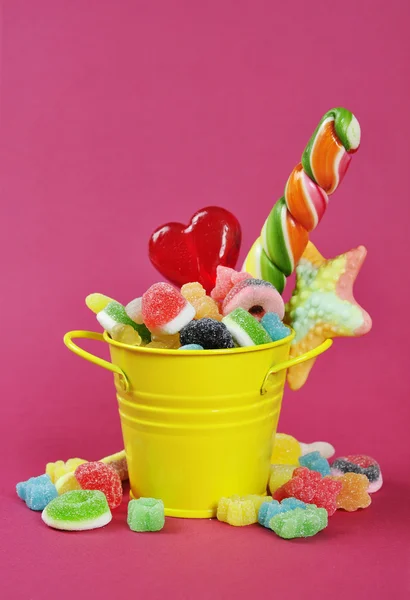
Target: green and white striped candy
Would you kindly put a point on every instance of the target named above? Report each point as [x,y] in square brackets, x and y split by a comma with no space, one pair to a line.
[245,329]
[77,510]
[114,313]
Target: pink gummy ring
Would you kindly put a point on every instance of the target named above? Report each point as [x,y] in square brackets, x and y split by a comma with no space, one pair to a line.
[256,296]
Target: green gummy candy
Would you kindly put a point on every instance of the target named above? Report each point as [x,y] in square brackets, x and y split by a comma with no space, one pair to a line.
[74,509]
[116,311]
[245,329]
[146,514]
[299,522]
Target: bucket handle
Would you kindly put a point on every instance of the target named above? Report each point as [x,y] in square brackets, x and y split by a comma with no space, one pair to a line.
[295,361]
[92,335]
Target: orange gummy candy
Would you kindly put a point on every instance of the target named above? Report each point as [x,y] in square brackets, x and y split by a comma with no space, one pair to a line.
[353,494]
[204,306]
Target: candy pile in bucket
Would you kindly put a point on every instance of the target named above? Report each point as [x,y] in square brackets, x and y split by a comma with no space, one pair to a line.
[305,490]
[209,306]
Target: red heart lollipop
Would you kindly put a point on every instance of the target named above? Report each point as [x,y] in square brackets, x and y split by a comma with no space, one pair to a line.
[184,254]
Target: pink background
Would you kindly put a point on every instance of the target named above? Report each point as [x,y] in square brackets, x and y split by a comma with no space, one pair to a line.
[119,116]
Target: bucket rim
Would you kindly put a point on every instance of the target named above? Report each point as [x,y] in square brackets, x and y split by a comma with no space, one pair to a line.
[226,351]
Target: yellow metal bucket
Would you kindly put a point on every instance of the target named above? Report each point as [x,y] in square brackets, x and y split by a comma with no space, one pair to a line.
[197,425]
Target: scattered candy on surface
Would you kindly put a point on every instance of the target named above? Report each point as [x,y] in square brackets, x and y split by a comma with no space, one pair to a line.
[324,448]
[97,302]
[354,493]
[102,477]
[239,511]
[270,508]
[204,306]
[226,279]
[118,462]
[37,492]
[315,462]
[208,333]
[193,253]
[299,522]
[165,310]
[146,514]
[114,314]
[312,488]
[67,483]
[57,469]
[77,510]
[279,475]
[191,347]
[322,305]
[286,450]
[324,163]
[361,464]
[255,296]
[274,326]
[126,335]
[245,329]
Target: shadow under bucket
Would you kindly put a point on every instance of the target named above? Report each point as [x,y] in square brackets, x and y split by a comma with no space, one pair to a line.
[197,425]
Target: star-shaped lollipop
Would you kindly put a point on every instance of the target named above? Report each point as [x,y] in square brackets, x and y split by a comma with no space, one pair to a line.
[322,305]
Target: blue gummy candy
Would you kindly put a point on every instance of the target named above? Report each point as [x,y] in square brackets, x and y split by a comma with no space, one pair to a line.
[191,347]
[272,508]
[37,492]
[315,462]
[274,326]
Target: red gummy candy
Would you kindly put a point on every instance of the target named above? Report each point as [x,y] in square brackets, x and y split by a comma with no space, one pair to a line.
[99,476]
[361,460]
[185,254]
[310,487]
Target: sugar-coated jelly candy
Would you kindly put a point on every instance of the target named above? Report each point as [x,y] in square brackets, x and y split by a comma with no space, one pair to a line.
[67,483]
[226,278]
[299,522]
[37,492]
[78,510]
[97,302]
[279,475]
[286,450]
[134,310]
[274,326]
[191,347]
[239,511]
[208,333]
[204,306]
[315,462]
[324,448]
[100,476]
[245,329]
[354,493]
[57,469]
[146,514]
[125,334]
[118,462]
[312,488]
[114,314]
[256,296]
[165,310]
[183,254]
[362,464]
[270,508]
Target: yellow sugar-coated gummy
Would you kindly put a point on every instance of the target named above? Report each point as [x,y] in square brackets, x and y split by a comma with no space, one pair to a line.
[97,302]
[118,461]
[239,511]
[57,469]
[125,334]
[279,475]
[67,483]
[286,450]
